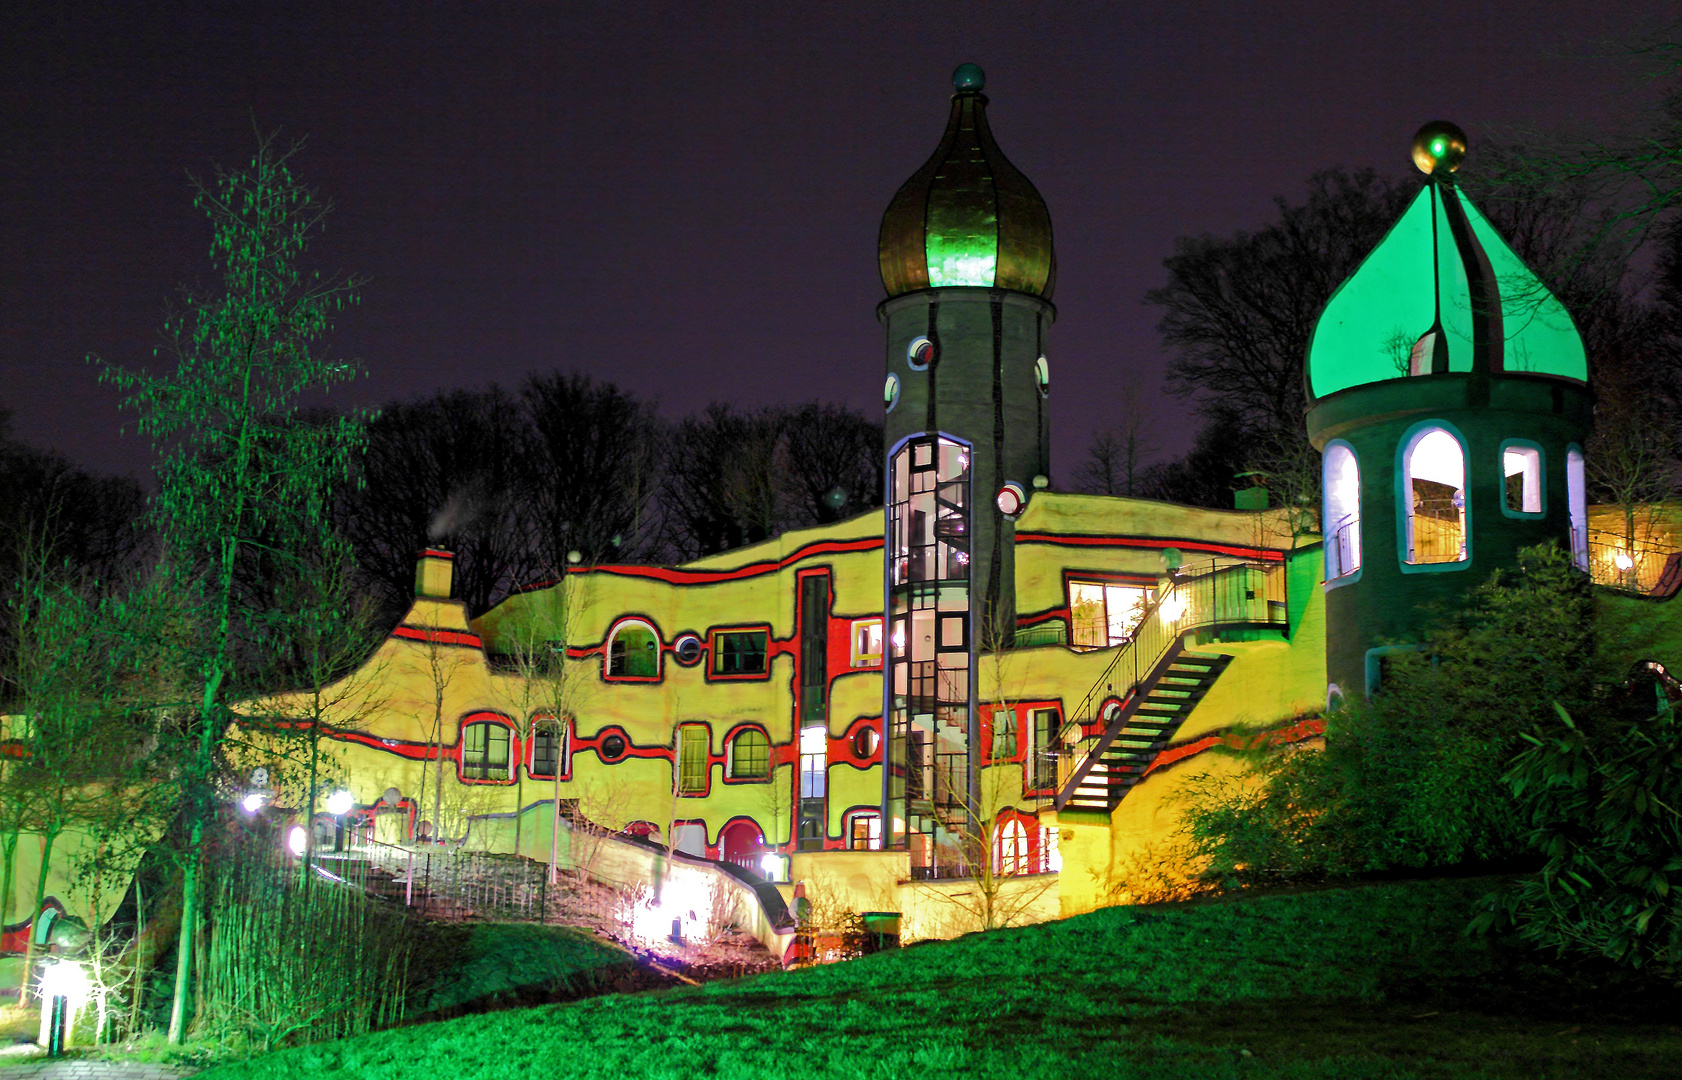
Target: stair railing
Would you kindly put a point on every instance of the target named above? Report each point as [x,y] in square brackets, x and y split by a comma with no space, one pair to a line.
[1218,594]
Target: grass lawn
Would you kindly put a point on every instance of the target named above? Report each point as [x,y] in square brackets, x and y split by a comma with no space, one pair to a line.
[493,965]
[1372,981]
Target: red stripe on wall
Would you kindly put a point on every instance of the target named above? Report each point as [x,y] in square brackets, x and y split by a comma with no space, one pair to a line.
[1302,729]
[440,637]
[1152,542]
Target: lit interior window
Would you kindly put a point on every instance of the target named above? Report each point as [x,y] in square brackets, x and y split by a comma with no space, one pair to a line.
[1343,512]
[1521,468]
[1102,615]
[813,761]
[750,755]
[867,643]
[1435,478]
[1576,495]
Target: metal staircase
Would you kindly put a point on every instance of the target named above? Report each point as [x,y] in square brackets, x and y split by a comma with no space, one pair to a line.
[1160,681]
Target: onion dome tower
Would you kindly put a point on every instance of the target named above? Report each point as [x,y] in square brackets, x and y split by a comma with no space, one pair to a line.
[1448,392]
[966,257]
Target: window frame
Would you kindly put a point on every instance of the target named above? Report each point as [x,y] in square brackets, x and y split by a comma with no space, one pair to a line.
[539,725]
[861,659]
[731,765]
[1031,775]
[1541,479]
[820,789]
[486,723]
[1105,581]
[1404,499]
[716,653]
[620,625]
[1346,576]
[872,820]
[692,760]
[1577,505]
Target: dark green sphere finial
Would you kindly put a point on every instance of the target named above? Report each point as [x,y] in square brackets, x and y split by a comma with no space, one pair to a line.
[968,79]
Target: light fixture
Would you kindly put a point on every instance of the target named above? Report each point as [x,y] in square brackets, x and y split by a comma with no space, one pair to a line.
[1623,561]
[297,840]
[253,802]
[340,802]
[1173,607]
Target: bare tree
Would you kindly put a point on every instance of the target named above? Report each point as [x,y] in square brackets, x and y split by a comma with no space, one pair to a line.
[1115,459]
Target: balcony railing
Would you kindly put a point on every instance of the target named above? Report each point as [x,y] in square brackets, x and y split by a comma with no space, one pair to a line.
[1213,595]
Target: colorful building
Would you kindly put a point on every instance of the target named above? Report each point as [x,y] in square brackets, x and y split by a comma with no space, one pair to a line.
[989,686]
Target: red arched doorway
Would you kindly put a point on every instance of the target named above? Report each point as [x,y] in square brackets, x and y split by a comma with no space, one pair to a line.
[742,843]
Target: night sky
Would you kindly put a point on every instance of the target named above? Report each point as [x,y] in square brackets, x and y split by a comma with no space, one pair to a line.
[684,197]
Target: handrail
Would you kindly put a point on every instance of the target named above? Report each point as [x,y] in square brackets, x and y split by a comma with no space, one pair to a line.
[1220,594]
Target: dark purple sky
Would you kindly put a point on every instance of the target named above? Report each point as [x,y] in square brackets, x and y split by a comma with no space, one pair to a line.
[684,197]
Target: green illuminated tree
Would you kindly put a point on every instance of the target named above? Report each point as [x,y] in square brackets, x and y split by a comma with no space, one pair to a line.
[242,480]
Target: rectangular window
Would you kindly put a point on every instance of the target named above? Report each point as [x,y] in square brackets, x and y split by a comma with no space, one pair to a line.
[739,652]
[1521,467]
[814,648]
[1004,733]
[867,643]
[546,755]
[484,752]
[813,761]
[1046,726]
[692,759]
[1103,615]
[866,832]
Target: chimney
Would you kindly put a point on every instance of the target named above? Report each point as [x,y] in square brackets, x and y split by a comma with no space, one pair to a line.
[433,573]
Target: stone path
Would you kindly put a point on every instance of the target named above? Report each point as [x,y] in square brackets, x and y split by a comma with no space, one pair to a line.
[70,1068]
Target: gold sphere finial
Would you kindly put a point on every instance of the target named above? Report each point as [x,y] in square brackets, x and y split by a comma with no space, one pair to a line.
[1439,145]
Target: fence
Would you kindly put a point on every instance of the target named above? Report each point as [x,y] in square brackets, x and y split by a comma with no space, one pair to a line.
[446,882]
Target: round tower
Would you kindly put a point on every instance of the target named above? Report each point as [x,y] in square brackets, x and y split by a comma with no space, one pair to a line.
[1448,394]
[966,258]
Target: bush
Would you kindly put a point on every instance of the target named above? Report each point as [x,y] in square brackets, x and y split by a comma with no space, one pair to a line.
[1413,777]
[1603,800]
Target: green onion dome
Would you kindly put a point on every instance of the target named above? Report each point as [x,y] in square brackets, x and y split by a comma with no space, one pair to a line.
[967,217]
[1442,292]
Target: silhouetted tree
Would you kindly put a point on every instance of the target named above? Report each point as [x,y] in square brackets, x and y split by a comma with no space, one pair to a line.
[834,457]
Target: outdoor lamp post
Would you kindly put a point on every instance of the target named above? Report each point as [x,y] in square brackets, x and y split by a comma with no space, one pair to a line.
[339,804]
[64,986]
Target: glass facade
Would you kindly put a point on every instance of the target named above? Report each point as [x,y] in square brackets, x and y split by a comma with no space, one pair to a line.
[929,650]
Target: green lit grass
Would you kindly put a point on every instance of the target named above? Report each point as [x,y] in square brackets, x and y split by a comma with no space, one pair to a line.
[1370,982]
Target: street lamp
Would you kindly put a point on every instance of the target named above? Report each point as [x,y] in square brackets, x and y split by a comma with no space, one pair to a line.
[64,985]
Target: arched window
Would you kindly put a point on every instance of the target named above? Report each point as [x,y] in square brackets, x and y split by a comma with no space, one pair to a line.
[750,755]
[1434,498]
[1342,475]
[1576,498]
[1010,852]
[484,751]
[633,652]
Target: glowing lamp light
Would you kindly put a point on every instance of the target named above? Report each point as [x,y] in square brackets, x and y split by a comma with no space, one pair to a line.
[1173,607]
[899,637]
[297,840]
[340,802]
[1624,562]
[65,979]
[253,802]
[774,866]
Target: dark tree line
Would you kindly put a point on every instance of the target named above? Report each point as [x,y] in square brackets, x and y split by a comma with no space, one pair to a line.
[517,483]
[60,521]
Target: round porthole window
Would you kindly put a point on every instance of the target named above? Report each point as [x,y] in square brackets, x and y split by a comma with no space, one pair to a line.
[865,742]
[613,748]
[920,353]
[1042,376]
[687,649]
[890,393]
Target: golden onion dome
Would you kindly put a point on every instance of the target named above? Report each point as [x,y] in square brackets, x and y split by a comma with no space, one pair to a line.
[968,216]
